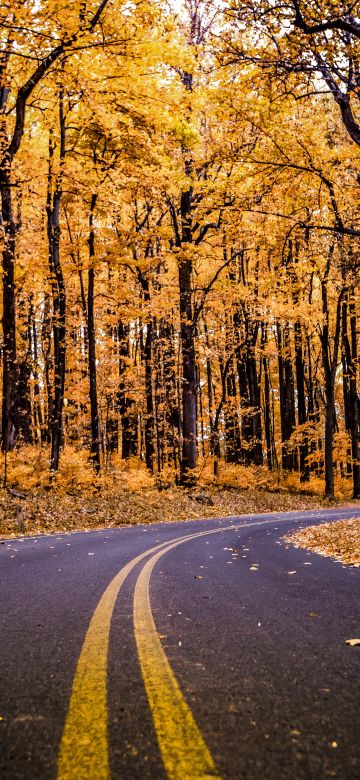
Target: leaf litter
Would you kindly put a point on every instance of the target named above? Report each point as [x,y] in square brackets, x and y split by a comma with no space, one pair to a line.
[339,540]
[103,506]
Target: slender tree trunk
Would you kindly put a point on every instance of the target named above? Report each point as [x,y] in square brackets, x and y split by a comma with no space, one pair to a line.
[251,431]
[254,397]
[189,394]
[201,413]
[24,424]
[58,294]
[302,415]
[95,433]
[287,396]
[329,366]
[129,419]
[267,405]
[172,411]
[9,398]
[38,414]
[351,397]
[231,418]
[148,360]
[149,421]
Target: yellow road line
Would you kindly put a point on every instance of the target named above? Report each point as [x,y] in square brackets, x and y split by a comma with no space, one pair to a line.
[83,752]
[184,752]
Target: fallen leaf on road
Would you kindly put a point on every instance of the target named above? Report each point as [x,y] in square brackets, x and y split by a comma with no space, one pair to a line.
[313,615]
[198,577]
[353,642]
[291,572]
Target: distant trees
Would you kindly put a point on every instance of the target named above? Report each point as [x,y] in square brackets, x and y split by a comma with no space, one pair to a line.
[180,238]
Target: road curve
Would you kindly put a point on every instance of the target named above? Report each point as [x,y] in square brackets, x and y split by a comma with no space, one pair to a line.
[189,650]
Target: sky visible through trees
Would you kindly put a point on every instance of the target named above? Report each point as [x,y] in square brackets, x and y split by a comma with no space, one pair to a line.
[180,234]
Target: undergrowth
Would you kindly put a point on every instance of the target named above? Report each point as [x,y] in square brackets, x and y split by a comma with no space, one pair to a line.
[28,471]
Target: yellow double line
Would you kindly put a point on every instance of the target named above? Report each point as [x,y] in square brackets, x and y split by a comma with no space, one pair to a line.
[84,753]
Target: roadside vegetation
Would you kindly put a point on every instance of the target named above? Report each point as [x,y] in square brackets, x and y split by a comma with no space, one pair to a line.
[76,499]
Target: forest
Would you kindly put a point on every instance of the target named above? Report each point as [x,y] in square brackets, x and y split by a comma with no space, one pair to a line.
[179,233]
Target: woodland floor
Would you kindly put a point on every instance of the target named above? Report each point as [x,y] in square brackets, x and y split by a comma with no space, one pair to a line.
[53,512]
[339,540]
[77,500]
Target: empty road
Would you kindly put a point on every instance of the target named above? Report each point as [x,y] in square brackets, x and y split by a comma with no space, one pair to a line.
[180,650]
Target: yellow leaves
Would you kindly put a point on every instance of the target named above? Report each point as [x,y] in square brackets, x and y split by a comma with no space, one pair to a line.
[185,133]
[353,642]
[123,495]
[340,540]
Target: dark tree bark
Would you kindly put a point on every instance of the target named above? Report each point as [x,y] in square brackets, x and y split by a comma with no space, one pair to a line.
[250,397]
[231,421]
[172,408]
[46,348]
[54,197]
[148,361]
[269,434]
[301,402]
[128,415]
[189,395]
[95,433]
[287,396]
[38,413]
[10,378]
[329,365]
[246,331]
[351,396]
[231,417]
[24,423]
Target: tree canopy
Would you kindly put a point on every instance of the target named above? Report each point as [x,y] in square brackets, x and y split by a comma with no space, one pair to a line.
[180,233]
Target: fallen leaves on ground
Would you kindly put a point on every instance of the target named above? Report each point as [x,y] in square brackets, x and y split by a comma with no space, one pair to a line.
[53,510]
[353,642]
[340,540]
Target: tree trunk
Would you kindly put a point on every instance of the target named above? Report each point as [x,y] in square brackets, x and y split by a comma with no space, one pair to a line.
[46,343]
[231,417]
[269,438]
[302,416]
[148,360]
[38,414]
[329,366]
[129,419]
[172,410]
[24,424]
[189,389]
[95,434]
[254,396]
[287,396]
[189,399]
[58,295]
[351,397]
[9,399]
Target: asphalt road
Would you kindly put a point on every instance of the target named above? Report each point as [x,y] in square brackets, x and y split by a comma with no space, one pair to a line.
[247,674]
